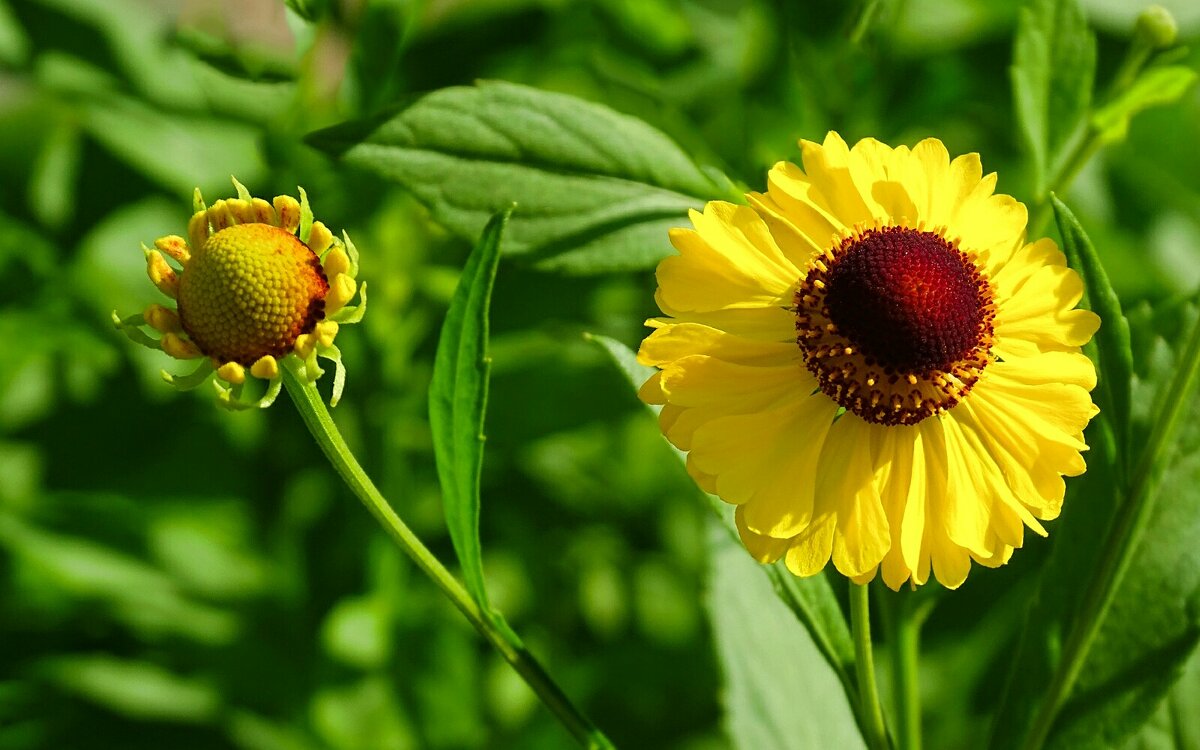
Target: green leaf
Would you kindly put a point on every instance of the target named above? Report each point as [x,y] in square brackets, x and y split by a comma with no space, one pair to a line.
[458,401]
[1112,340]
[811,600]
[136,689]
[1153,625]
[1154,87]
[626,361]
[598,190]
[1054,63]
[779,689]
[1176,724]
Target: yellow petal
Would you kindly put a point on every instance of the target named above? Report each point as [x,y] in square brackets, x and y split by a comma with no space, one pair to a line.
[671,342]
[792,195]
[162,319]
[336,261]
[862,536]
[711,388]
[265,368]
[264,213]
[729,261]
[768,460]
[651,391]
[288,212]
[161,274]
[198,229]
[341,291]
[892,457]
[765,549]
[319,240]
[232,372]
[179,348]
[773,322]
[809,551]
[827,167]
[174,246]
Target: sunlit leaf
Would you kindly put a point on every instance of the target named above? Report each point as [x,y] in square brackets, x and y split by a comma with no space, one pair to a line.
[780,691]
[597,190]
[1153,622]
[1153,625]
[136,689]
[458,401]
[1154,87]
[1054,62]
[1112,340]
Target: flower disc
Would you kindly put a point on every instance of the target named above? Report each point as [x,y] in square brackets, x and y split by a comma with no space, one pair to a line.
[249,291]
[895,323]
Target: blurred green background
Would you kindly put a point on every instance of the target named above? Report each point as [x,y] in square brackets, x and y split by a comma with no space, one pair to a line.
[175,576]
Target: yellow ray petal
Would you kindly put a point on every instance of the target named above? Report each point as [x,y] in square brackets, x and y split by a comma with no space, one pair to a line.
[862,535]
[671,342]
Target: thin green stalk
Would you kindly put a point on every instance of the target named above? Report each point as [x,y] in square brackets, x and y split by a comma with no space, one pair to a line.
[1084,150]
[906,649]
[316,417]
[1092,141]
[863,24]
[1122,542]
[868,695]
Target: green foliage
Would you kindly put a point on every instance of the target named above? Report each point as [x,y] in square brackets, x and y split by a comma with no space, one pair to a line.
[1157,86]
[597,190]
[1115,365]
[1054,62]
[172,576]
[1153,624]
[458,401]
[1115,612]
[755,635]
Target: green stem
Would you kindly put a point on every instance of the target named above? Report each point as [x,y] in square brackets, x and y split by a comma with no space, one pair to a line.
[1084,150]
[1090,144]
[864,665]
[863,24]
[906,649]
[316,417]
[1122,542]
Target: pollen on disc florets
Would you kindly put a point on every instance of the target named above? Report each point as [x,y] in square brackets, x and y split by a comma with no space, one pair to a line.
[895,322]
[249,291]
[260,286]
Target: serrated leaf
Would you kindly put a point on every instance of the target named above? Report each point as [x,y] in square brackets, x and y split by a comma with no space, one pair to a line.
[1112,340]
[597,189]
[779,689]
[458,401]
[1054,64]
[1154,87]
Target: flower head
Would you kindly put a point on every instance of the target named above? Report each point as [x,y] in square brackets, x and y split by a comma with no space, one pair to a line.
[873,365]
[255,283]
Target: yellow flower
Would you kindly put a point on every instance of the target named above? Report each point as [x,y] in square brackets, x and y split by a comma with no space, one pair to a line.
[255,283]
[872,364]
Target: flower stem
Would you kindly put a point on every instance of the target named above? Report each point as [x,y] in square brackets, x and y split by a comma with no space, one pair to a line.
[906,649]
[316,417]
[864,665]
[1092,139]
[1122,542]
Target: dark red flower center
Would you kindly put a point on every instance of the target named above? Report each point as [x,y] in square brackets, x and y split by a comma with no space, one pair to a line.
[895,323]
[907,299]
